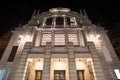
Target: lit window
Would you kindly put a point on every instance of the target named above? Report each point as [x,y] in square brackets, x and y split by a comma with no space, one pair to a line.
[59,75]
[117,72]
[80,74]
[38,75]
[46,38]
[73,38]
[12,54]
[2,73]
[59,39]
[71,21]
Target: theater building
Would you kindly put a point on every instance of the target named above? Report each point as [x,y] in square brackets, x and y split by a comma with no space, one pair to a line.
[59,44]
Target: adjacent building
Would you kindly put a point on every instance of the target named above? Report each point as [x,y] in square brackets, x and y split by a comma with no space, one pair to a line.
[59,44]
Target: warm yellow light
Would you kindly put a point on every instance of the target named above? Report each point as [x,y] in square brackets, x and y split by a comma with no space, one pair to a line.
[27,36]
[39,65]
[91,35]
[30,60]
[21,36]
[60,65]
[98,36]
[80,65]
[89,59]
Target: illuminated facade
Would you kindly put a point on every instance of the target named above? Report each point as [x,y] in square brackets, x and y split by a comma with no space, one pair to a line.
[59,44]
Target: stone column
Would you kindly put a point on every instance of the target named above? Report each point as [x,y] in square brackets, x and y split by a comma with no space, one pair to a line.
[54,21]
[66,38]
[38,38]
[47,62]
[81,40]
[52,37]
[71,62]
[97,68]
[21,69]
[84,36]
[65,21]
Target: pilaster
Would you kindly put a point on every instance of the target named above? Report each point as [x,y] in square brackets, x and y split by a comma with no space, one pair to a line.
[98,70]
[84,37]
[71,62]
[38,38]
[47,62]
[20,72]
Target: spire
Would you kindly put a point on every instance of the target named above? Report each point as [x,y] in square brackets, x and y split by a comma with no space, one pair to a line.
[34,13]
[85,14]
[81,14]
[38,12]
[85,20]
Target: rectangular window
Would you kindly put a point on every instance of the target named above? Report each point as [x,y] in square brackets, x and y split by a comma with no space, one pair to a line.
[73,38]
[38,75]
[59,75]
[71,21]
[59,21]
[2,73]
[45,38]
[80,74]
[12,54]
[59,39]
[117,73]
[1,52]
[68,21]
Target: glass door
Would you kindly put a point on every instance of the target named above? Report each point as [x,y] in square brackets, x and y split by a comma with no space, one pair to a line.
[80,74]
[59,75]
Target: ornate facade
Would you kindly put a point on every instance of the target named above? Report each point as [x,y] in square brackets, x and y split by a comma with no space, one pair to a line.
[59,44]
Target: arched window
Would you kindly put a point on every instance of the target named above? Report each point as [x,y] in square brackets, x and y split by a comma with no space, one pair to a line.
[49,21]
[70,21]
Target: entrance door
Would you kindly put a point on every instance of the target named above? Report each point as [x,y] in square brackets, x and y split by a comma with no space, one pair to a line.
[38,74]
[80,74]
[59,75]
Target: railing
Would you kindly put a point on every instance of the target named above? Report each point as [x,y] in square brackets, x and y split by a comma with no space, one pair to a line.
[60,26]
[59,49]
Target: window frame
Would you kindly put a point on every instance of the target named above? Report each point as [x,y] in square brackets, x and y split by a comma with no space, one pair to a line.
[59,73]
[36,71]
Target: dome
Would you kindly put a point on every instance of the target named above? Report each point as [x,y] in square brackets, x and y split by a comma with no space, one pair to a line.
[60,18]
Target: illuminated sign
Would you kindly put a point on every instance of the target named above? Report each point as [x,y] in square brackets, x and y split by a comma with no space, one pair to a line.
[117,72]
[2,72]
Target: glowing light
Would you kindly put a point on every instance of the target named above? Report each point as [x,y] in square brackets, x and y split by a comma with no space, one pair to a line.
[39,65]
[20,36]
[2,73]
[98,36]
[27,36]
[30,60]
[91,35]
[80,65]
[60,65]
[89,59]
[117,72]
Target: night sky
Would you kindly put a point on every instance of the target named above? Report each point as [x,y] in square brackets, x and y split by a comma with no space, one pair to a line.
[14,13]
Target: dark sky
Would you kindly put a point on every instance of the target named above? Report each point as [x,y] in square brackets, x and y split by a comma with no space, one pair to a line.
[13,13]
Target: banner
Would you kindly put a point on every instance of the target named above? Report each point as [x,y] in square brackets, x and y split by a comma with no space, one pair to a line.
[2,72]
